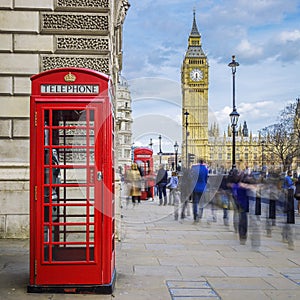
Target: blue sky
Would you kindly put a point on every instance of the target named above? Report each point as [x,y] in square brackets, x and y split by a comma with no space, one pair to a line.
[263,34]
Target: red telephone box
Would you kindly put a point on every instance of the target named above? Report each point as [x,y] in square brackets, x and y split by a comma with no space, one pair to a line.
[143,158]
[71,183]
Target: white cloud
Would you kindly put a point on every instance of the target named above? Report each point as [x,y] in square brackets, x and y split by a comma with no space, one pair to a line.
[247,49]
[290,36]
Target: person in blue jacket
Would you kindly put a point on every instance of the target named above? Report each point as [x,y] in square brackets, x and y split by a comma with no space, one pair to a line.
[199,175]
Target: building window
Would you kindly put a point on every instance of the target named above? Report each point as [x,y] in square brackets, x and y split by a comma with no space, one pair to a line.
[127,153]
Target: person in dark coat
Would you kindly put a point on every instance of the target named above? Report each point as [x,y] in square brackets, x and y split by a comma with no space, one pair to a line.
[161,182]
[240,189]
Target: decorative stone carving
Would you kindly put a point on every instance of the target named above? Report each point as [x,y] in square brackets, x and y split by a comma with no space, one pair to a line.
[83,3]
[124,6]
[74,22]
[83,43]
[97,63]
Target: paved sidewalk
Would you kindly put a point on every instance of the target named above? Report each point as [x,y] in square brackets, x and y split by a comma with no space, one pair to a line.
[160,258]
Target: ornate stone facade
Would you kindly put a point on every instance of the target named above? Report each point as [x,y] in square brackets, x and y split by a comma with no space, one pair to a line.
[37,36]
[97,63]
[74,23]
[67,4]
[82,43]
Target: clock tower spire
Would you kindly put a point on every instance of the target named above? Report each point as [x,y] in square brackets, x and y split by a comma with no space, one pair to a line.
[194,84]
[194,35]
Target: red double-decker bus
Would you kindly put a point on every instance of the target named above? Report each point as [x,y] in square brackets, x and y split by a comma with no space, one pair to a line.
[143,156]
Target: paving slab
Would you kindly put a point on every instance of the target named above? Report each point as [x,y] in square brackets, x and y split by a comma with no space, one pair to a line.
[281,283]
[233,283]
[200,271]
[246,294]
[249,272]
[283,294]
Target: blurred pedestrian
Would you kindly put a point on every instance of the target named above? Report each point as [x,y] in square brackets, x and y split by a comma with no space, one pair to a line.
[240,191]
[172,186]
[199,175]
[161,182]
[287,230]
[297,194]
[274,195]
[174,194]
[185,192]
[243,208]
[134,180]
[224,196]
[232,181]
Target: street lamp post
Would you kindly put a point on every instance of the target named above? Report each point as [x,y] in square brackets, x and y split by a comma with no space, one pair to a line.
[234,115]
[132,152]
[176,146]
[186,138]
[150,144]
[160,152]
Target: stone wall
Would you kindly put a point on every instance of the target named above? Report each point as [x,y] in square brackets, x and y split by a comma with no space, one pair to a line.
[38,35]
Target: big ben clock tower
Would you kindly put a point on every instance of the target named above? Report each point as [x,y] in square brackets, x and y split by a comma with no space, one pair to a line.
[194,85]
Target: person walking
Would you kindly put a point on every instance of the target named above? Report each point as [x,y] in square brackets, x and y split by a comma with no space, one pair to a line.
[185,192]
[273,195]
[161,182]
[199,175]
[134,180]
[174,196]
[172,186]
[243,189]
[297,194]
[224,196]
[287,230]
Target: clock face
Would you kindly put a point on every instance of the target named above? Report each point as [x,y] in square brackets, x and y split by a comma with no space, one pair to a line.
[196,75]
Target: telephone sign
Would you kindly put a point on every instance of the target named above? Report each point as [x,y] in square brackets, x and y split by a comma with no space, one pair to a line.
[69,89]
